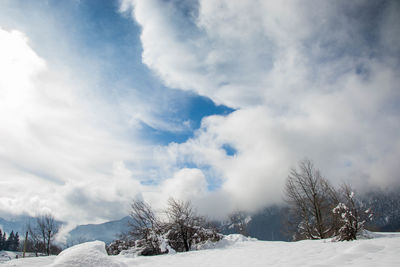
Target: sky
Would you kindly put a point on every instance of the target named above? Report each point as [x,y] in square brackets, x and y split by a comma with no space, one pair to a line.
[212,101]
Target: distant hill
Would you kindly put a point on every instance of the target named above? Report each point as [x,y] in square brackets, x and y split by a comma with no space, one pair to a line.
[263,225]
[385,206]
[16,224]
[106,232]
[267,224]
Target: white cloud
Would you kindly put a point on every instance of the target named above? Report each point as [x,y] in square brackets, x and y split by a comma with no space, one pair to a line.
[311,79]
[53,153]
[185,184]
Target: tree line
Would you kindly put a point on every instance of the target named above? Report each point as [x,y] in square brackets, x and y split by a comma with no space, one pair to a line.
[11,243]
[40,235]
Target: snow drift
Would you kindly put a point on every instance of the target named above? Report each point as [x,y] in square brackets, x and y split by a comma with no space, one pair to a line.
[86,255]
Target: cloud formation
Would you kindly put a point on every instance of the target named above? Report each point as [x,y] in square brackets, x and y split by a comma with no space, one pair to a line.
[309,79]
[56,155]
[306,79]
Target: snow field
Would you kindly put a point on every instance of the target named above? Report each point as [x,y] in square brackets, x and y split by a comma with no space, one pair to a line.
[236,250]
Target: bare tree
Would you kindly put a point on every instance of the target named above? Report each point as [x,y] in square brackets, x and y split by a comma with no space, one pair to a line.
[144,220]
[43,232]
[34,242]
[145,228]
[182,219]
[185,227]
[311,199]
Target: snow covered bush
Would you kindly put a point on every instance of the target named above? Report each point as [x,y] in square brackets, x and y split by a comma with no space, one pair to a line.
[351,216]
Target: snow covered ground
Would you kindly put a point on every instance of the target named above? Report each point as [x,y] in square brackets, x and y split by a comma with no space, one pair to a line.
[234,250]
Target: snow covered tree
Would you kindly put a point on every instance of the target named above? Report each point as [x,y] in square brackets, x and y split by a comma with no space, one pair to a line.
[351,215]
[311,199]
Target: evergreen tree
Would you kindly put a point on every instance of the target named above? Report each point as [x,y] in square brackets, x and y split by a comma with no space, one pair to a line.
[1,240]
[16,242]
[10,241]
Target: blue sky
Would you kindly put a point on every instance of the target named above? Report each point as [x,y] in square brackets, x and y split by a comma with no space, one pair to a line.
[101,33]
[211,101]
[103,30]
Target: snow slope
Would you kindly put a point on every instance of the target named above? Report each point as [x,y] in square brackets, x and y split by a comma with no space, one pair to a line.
[235,251]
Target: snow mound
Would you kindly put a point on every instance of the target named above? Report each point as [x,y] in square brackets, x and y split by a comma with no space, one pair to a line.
[226,241]
[5,256]
[233,239]
[90,254]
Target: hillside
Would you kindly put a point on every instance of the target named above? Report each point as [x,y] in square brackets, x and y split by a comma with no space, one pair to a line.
[16,223]
[106,232]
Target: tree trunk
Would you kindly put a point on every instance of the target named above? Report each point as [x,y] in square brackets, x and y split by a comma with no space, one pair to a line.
[48,244]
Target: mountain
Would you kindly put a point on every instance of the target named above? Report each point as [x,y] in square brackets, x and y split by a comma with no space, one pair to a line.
[263,225]
[106,232]
[16,223]
[267,224]
[385,207]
